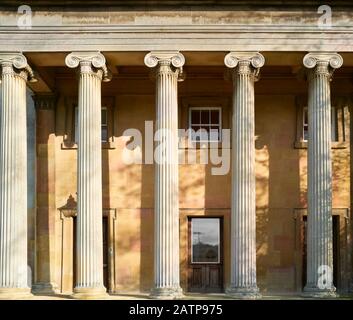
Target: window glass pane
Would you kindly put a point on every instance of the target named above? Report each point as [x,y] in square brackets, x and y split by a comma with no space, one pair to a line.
[205,119]
[205,240]
[205,116]
[305,115]
[305,124]
[214,116]
[104,116]
[204,133]
[76,125]
[194,133]
[195,116]
[104,133]
[104,125]
[214,133]
[205,128]
[334,120]
[305,132]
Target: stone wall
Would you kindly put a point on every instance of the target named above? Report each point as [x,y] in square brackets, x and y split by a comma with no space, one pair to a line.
[128,189]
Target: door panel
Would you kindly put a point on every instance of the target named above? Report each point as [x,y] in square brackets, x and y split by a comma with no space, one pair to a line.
[205,255]
[196,277]
[214,277]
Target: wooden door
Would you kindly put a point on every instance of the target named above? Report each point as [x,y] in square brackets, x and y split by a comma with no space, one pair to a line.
[205,271]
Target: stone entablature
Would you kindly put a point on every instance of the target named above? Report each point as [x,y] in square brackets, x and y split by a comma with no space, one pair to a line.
[201,30]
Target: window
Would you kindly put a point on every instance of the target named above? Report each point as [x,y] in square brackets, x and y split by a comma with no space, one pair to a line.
[104,124]
[205,123]
[333,124]
[70,137]
[340,122]
[305,124]
[205,240]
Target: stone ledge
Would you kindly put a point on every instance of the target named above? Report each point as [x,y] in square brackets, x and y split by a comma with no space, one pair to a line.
[334,145]
[72,146]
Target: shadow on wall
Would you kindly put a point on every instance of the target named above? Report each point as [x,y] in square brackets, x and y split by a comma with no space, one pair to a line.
[108,267]
[45,196]
[31,182]
[278,192]
[134,254]
[147,228]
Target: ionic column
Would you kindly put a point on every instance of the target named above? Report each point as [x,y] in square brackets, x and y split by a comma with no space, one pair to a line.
[13,176]
[89,241]
[243,205]
[166,215]
[319,230]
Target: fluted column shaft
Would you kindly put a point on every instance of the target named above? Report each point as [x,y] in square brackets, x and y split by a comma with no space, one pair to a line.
[13,175]
[166,243]
[243,202]
[89,242]
[89,183]
[319,228]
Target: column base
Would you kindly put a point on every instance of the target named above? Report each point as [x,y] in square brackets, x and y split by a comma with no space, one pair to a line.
[90,293]
[167,293]
[248,293]
[15,294]
[315,292]
[47,288]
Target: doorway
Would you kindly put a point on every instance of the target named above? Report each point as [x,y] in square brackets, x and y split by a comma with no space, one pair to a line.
[105,252]
[335,249]
[205,266]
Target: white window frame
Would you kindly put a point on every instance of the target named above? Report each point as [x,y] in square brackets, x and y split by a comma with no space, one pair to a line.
[334,119]
[219,109]
[102,125]
[105,125]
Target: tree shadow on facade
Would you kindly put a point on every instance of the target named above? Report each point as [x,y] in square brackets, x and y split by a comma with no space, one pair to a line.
[217,203]
[45,201]
[278,193]
[108,245]
[136,216]
[147,215]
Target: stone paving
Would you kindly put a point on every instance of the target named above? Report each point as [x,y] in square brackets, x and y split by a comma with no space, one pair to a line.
[145,296]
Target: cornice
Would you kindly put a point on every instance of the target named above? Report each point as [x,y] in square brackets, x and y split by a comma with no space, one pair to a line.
[176,37]
[176,3]
[173,3]
[180,27]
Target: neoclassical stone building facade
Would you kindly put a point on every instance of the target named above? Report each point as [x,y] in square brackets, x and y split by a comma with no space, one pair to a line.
[78,217]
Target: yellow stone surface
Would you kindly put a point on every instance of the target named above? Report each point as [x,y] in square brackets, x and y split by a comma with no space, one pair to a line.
[129,189]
